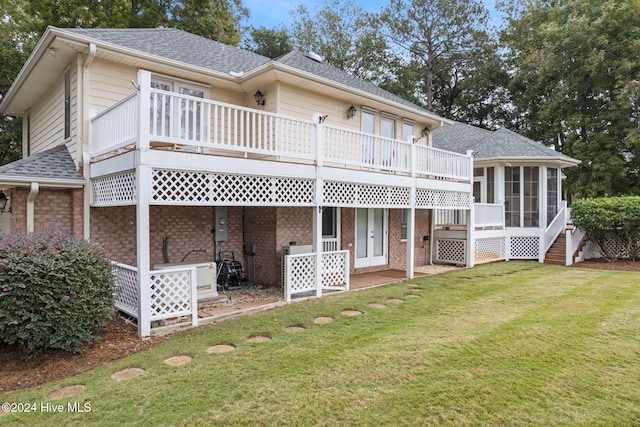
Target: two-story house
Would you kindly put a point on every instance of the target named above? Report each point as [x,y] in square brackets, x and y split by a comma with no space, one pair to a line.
[169,150]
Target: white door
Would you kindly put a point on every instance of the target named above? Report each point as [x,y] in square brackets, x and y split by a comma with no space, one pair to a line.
[371,237]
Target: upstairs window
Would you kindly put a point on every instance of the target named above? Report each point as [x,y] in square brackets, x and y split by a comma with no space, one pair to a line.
[67,104]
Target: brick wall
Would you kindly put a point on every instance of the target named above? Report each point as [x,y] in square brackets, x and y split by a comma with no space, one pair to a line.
[260,228]
[55,210]
[114,230]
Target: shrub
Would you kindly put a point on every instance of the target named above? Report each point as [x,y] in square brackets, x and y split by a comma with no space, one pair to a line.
[612,223]
[55,292]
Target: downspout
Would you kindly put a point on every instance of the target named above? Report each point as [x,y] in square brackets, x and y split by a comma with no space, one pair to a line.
[85,143]
[33,193]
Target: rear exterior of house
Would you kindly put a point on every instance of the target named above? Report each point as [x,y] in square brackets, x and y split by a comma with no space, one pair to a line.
[155,145]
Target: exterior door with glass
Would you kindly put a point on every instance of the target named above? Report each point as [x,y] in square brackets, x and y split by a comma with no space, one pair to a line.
[371,237]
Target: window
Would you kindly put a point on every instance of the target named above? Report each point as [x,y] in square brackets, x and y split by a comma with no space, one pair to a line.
[491,182]
[512,196]
[186,115]
[531,188]
[368,143]
[388,127]
[407,132]
[404,218]
[329,222]
[522,186]
[552,194]
[67,104]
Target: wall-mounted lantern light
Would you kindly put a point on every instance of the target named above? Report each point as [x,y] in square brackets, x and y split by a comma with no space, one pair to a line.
[351,112]
[426,131]
[3,203]
[259,97]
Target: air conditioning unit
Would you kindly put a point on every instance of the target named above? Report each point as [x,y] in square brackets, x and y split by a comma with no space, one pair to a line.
[292,250]
[206,276]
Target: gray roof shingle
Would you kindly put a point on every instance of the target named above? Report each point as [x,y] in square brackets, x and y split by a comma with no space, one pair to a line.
[177,45]
[54,164]
[195,50]
[486,144]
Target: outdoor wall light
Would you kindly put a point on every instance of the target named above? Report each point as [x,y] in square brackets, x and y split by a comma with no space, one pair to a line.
[426,131]
[259,97]
[3,203]
[351,112]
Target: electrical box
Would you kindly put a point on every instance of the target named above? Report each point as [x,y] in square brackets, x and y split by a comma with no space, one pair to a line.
[220,224]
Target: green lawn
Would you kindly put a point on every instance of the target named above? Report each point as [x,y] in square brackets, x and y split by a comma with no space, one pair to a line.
[507,344]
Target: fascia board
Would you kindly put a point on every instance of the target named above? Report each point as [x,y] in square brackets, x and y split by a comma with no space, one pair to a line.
[19,181]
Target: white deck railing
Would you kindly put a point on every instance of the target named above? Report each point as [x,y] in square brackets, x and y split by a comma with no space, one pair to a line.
[216,127]
[554,229]
[489,215]
[126,295]
[115,127]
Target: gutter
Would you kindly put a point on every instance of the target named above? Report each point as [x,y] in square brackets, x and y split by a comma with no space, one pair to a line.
[24,181]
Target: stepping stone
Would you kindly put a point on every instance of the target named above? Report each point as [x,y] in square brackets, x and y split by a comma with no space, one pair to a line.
[376,305]
[351,313]
[293,329]
[221,348]
[178,360]
[395,300]
[259,339]
[411,295]
[323,320]
[127,374]
[67,391]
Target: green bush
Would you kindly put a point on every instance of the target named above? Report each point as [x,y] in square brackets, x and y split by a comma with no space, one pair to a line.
[611,219]
[55,292]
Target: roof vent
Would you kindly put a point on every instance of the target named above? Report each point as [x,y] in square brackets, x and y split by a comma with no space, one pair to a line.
[314,56]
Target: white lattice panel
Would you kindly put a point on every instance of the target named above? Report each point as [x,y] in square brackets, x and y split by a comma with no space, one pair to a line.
[442,199]
[338,193]
[203,188]
[590,251]
[170,294]
[334,268]
[488,250]
[126,293]
[451,251]
[114,190]
[525,248]
[300,274]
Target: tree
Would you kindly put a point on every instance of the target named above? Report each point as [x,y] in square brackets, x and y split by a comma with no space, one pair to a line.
[573,63]
[434,41]
[341,32]
[271,43]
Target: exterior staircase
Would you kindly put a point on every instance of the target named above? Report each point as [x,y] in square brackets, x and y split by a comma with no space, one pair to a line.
[557,252]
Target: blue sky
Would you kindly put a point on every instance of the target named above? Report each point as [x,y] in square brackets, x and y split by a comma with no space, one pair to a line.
[275,13]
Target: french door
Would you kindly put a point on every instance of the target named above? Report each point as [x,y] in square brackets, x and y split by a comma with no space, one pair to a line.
[371,237]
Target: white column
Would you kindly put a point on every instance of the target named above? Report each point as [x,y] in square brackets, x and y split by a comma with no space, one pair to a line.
[143,197]
[411,231]
[317,244]
[143,182]
[470,253]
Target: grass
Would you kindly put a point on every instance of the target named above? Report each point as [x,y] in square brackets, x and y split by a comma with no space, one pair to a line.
[509,344]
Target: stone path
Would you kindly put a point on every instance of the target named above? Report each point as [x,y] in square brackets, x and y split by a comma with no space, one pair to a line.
[413,291]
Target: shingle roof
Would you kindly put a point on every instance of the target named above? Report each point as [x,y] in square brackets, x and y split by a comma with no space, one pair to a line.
[177,45]
[301,61]
[195,50]
[486,144]
[54,164]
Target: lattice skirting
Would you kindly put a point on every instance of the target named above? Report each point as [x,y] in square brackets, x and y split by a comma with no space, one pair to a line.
[207,188]
[442,199]
[114,190]
[170,294]
[126,293]
[489,250]
[451,251]
[338,193]
[524,248]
